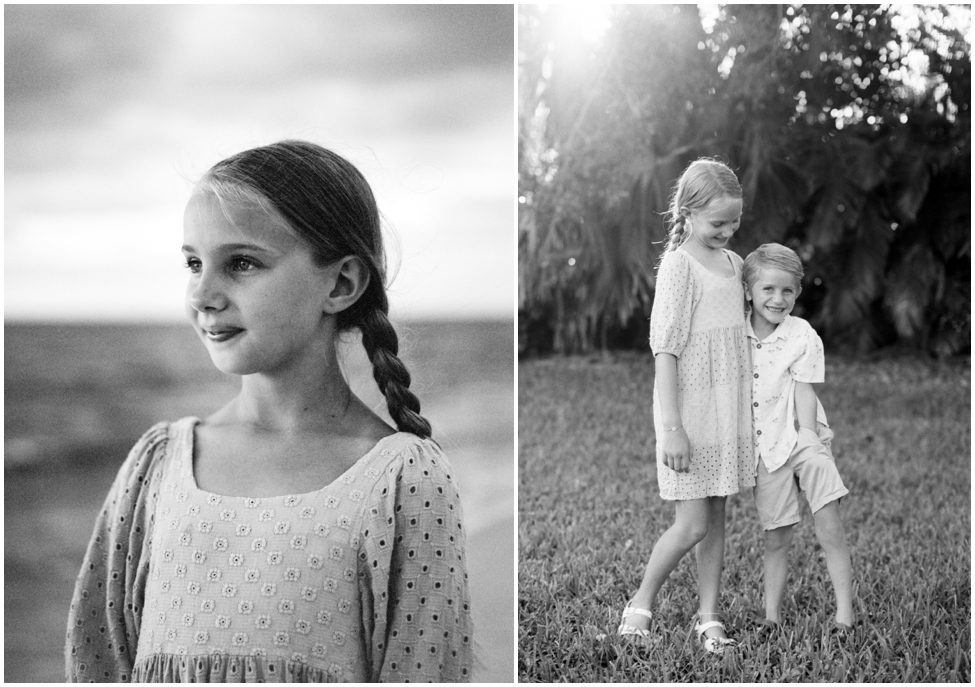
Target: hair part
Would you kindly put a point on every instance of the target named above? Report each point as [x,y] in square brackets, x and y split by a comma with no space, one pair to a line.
[704,180]
[771,256]
[327,202]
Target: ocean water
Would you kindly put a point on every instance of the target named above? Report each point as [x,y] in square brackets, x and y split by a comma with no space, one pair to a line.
[76,397]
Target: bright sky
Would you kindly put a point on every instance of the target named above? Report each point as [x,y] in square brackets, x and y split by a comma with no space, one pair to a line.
[112,111]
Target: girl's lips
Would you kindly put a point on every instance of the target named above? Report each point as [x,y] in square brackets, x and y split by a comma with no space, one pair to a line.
[222,334]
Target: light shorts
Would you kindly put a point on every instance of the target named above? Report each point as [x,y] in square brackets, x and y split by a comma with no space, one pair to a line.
[810,469]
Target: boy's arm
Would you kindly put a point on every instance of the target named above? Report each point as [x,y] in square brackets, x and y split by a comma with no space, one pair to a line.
[806,406]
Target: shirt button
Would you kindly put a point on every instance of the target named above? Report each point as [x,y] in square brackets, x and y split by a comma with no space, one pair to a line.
[759,432]
[756,375]
[758,345]
[755,404]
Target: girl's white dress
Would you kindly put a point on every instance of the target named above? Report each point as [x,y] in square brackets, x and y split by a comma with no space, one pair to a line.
[363,580]
[699,316]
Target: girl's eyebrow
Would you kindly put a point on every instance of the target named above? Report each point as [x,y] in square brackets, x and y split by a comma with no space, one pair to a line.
[230,247]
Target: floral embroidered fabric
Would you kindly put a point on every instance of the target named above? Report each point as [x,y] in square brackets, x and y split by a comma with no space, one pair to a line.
[699,317]
[362,580]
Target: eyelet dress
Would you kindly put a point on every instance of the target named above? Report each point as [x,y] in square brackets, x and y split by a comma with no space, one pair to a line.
[362,580]
[699,316]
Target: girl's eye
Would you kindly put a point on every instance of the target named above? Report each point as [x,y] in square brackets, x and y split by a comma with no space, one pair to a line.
[193,265]
[242,264]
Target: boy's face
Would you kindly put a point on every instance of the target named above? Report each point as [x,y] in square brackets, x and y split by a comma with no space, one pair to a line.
[772,296]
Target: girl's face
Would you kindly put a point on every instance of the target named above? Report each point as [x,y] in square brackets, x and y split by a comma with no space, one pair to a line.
[714,224]
[255,295]
[772,296]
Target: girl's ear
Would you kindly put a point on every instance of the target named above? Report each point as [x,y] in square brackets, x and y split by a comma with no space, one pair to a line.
[349,278]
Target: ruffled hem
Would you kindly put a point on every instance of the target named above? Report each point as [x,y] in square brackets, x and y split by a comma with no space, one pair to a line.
[231,668]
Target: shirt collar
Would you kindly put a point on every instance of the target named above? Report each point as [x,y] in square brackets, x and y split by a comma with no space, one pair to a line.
[780,332]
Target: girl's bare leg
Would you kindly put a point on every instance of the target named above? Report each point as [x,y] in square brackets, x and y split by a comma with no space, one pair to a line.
[710,560]
[690,527]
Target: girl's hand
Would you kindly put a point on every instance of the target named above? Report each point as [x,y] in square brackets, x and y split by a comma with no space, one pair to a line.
[676,449]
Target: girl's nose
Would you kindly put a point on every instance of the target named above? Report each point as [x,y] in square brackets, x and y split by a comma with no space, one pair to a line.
[204,293]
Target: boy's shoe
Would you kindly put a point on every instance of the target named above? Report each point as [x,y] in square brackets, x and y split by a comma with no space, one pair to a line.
[842,631]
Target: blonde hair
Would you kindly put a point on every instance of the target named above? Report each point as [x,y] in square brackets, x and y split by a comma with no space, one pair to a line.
[703,181]
[774,256]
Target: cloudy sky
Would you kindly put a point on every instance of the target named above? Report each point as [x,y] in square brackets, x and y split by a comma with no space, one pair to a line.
[112,111]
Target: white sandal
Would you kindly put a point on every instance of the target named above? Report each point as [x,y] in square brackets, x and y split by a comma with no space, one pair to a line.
[625,629]
[713,645]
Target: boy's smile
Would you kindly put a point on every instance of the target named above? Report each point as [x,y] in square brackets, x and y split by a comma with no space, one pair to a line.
[772,296]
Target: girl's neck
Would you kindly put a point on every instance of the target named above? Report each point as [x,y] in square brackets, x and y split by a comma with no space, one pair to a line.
[318,402]
[702,252]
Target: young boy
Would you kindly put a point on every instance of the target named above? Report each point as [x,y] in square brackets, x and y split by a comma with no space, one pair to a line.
[787,357]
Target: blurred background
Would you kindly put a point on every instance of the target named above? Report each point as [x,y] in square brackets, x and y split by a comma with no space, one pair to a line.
[849,127]
[111,113]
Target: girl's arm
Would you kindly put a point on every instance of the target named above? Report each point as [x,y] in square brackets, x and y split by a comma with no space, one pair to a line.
[420,627]
[806,406]
[106,610]
[674,444]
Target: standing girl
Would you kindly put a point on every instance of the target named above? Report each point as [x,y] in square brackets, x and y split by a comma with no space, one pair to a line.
[292,535]
[701,397]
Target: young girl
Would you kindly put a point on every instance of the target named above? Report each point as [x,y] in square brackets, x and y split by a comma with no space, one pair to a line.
[701,397]
[292,535]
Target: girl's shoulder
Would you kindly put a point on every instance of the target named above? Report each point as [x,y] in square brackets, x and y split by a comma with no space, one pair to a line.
[676,265]
[675,258]
[736,259]
[405,450]
[407,459]
[154,444]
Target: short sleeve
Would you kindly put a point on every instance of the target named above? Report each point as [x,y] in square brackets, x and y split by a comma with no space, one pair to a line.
[413,557]
[106,609]
[674,298]
[810,365]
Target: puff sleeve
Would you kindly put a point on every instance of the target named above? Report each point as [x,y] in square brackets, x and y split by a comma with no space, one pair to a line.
[675,295]
[106,609]
[416,602]
[810,364]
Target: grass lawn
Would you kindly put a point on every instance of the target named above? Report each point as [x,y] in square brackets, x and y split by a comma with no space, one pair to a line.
[590,513]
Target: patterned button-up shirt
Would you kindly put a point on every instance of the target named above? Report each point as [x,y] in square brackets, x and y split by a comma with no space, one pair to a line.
[792,353]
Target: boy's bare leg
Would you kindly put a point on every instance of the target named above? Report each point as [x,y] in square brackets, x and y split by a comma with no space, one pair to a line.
[777,544]
[832,537]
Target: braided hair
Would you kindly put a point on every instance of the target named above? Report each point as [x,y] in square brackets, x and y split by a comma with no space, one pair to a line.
[704,180]
[329,204]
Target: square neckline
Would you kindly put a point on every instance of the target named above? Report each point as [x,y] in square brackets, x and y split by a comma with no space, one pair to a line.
[727,254]
[186,442]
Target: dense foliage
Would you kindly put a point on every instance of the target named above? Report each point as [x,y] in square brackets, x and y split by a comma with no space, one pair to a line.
[848,125]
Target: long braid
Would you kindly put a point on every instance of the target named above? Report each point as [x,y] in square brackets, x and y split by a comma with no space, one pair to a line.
[382,346]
